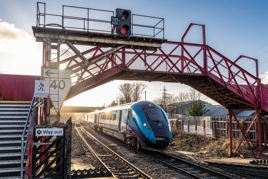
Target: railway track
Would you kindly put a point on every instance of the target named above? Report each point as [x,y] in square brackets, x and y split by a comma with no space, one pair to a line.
[117,165]
[159,164]
[187,167]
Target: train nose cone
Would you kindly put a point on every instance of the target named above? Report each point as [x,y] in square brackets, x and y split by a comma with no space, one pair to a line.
[158,123]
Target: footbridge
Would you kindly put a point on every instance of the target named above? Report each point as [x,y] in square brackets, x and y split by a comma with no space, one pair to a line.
[95,55]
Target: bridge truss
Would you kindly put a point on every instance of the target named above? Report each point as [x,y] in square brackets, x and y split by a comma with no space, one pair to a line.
[95,58]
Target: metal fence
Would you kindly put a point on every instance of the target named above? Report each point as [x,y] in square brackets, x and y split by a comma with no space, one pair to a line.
[214,126]
[97,20]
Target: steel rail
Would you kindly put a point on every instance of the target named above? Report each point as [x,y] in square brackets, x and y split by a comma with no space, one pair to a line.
[163,157]
[113,154]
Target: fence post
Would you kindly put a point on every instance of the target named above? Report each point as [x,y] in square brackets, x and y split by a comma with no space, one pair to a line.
[227,128]
[195,120]
[204,126]
[264,133]
[177,123]
[213,121]
[188,125]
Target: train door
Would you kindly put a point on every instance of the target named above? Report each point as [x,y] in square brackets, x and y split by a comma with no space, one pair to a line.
[119,118]
[123,121]
[96,119]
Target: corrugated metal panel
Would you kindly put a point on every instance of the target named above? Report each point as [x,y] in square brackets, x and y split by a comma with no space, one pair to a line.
[17,87]
[248,113]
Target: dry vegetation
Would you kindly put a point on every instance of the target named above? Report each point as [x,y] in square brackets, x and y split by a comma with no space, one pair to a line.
[204,147]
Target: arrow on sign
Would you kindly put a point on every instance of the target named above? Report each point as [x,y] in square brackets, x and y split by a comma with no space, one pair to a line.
[48,73]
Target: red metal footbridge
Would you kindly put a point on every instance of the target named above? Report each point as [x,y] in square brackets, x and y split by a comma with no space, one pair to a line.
[88,47]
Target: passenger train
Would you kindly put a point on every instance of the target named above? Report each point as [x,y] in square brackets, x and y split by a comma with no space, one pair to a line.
[142,124]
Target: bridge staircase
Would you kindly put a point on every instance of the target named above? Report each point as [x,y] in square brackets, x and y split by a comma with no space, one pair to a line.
[12,121]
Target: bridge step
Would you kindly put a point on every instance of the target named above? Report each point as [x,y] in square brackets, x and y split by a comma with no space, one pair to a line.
[13,154]
[10,136]
[10,142]
[12,122]
[10,148]
[11,126]
[14,109]
[13,117]
[5,170]
[9,162]
[11,131]
[14,112]
[10,172]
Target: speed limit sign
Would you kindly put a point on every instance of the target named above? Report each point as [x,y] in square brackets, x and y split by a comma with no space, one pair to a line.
[59,85]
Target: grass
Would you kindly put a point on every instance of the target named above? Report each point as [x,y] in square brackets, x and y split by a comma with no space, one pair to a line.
[206,146]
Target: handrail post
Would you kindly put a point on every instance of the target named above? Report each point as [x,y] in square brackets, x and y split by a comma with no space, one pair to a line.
[21,159]
[30,155]
[204,45]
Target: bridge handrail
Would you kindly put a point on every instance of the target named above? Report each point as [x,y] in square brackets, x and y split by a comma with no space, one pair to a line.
[153,28]
[24,141]
[234,64]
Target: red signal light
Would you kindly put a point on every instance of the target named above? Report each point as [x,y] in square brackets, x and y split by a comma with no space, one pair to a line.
[123,31]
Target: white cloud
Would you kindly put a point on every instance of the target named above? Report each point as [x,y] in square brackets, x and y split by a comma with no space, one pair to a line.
[19,53]
[264,77]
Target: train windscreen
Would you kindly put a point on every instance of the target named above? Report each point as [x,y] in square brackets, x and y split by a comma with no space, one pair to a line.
[156,120]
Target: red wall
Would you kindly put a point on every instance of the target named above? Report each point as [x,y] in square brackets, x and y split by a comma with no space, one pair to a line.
[17,87]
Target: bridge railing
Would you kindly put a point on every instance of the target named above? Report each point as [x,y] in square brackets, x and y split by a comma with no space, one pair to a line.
[233,76]
[97,20]
[28,129]
[197,59]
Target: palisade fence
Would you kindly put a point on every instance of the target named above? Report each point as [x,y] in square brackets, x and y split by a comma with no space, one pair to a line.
[213,126]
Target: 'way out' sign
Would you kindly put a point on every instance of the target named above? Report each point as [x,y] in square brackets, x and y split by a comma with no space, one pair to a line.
[48,132]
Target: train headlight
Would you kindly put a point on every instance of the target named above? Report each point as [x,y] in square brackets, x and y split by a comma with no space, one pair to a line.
[146,125]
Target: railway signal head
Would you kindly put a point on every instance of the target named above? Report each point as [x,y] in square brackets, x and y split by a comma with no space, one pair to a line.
[124,22]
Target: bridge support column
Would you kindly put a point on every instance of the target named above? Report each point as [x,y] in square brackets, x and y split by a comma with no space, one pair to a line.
[230,132]
[245,129]
[259,128]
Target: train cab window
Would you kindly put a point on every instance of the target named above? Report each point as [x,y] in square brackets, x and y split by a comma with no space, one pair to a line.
[154,114]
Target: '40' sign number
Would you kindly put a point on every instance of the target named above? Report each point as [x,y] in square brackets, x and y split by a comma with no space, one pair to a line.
[57,84]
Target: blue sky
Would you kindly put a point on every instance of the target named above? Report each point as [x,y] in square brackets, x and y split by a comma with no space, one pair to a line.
[233,27]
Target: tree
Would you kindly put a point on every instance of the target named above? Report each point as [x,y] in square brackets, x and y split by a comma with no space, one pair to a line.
[194,95]
[131,92]
[126,90]
[197,109]
[137,90]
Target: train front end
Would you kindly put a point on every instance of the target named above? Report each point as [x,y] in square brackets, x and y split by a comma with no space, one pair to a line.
[152,125]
